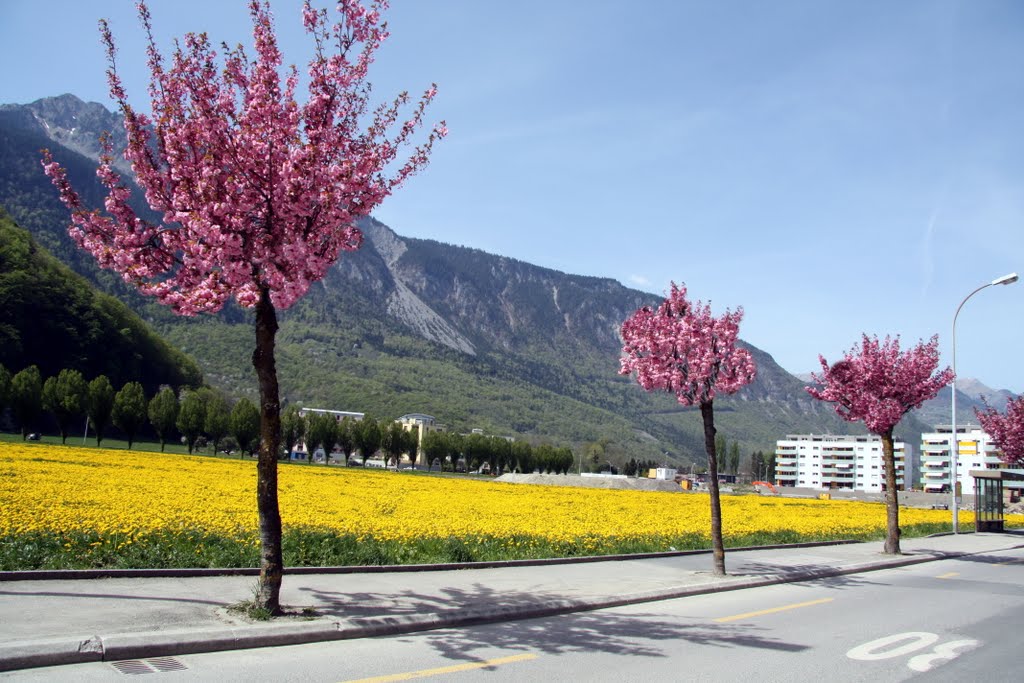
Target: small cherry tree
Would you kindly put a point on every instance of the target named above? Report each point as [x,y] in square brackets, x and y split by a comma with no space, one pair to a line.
[682,349]
[877,385]
[1006,429]
[258,195]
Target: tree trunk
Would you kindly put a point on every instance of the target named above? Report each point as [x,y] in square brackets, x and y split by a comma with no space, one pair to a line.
[707,412]
[271,561]
[892,508]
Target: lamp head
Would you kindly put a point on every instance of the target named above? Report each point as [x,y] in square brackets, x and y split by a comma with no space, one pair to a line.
[1006,279]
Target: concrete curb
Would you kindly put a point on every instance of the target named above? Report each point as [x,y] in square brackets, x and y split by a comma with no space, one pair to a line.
[116,647]
[69,574]
[28,654]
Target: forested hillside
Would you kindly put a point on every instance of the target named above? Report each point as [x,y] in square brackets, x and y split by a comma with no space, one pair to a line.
[53,318]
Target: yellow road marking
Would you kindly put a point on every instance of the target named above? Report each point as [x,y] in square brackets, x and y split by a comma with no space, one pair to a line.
[737,617]
[1008,562]
[455,668]
[948,575]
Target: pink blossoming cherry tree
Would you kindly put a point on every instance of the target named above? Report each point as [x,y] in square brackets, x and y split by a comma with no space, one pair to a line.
[682,349]
[258,194]
[878,384]
[1006,430]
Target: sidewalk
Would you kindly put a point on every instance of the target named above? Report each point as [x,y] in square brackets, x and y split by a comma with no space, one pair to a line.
[47,622]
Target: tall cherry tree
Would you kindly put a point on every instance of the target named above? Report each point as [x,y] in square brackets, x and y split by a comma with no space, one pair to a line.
[1006,429]
[878,384]
[258,194]
[682,349]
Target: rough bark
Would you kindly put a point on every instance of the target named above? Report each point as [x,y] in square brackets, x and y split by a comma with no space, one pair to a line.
[707,412]
[892,508]
[271,561]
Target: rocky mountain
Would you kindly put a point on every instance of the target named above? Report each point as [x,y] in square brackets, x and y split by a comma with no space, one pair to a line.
[412,325]
[981,393]
[73,124]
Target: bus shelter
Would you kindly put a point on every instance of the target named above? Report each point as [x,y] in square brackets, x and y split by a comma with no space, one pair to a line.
[989,496]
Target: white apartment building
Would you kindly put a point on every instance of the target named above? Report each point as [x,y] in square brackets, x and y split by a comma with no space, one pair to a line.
[826,461]
[338,415]
[976,452]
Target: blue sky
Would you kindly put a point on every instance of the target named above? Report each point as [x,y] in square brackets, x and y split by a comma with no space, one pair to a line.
[833,167]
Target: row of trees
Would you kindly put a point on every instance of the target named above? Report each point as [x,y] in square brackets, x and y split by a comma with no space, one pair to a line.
[204,416]
[446,450]
[637,468]
[728,454]
[762,466]
[499,455]
[69,398]
[347,436]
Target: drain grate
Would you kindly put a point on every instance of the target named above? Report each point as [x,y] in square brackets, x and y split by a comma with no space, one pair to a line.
[134,667]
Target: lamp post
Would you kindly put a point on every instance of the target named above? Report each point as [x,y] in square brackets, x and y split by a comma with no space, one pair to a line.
[954,440]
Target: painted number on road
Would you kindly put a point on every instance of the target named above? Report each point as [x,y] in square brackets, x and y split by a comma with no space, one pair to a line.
[903,644]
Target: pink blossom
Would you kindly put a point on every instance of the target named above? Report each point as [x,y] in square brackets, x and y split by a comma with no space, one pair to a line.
[1006,430]
[256,191]
[681,348]
[878,384]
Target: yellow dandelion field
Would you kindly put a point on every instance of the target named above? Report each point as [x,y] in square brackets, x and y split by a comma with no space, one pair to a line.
[67,489]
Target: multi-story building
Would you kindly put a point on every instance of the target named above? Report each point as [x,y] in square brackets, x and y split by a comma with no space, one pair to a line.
[338,415]
[420,424]
[976,452]
[825,461]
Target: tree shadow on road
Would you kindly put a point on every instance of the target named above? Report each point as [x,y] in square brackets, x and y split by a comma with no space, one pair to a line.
[606,631]
[806,573]
[522,621]
[118,597]
[1000,560]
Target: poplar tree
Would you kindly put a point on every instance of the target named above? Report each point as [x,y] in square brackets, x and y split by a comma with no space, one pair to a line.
[163,414]
[27,398]
[191,418]
[129,412]
[64,396]
[99,404]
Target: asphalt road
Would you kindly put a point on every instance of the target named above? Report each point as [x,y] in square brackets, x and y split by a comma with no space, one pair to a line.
[941,621]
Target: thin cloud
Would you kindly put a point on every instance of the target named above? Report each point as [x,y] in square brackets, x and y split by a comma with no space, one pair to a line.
[639,281]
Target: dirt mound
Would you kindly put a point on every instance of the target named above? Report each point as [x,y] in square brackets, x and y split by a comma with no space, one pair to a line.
[1015,509]
[629,484]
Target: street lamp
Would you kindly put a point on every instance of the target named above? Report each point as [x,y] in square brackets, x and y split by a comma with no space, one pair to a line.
[954,440]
